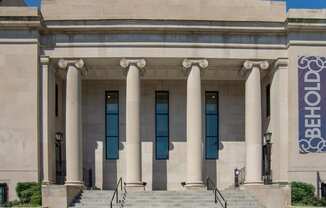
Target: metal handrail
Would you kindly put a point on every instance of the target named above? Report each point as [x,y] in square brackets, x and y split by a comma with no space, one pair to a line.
[217,194]
[116,193]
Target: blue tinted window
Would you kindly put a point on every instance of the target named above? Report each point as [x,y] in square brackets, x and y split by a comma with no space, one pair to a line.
[162,125]
[112,107]
[112,104]
[212,126]
[211,148]
[162,148]
[163,105]
[112,147]
[112,125]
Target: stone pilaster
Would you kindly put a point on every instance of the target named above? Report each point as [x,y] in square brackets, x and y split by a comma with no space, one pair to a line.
[279,115]
[194,122]
[48,116]
[253,120]
[133,156]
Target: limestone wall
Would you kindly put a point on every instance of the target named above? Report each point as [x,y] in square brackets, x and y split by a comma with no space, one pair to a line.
[304,40]
[19,127]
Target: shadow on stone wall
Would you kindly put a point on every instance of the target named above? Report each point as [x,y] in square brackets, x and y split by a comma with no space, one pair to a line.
[159,174]
[110,175]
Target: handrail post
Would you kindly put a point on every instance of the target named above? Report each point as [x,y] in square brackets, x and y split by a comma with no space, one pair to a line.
[117,198]
[206,183]
[116,192]
[318,185]
[218,198]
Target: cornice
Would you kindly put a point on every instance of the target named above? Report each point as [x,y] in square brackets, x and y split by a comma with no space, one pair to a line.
[173,45]
[163,25]
[306,27]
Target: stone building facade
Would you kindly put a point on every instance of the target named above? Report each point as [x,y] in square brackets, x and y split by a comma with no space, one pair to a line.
[161,93]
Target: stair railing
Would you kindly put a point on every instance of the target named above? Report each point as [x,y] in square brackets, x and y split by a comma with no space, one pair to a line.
[218,197]
[116,193]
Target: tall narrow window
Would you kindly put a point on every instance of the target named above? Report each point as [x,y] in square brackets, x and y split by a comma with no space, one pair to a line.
[212,126]
[112,125]
[162,125]
[268,100]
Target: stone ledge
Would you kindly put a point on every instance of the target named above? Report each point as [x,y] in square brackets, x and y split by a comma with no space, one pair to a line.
[271,196]
[58,196]
[19,12]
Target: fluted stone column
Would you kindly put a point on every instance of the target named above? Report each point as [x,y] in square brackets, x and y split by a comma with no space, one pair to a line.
[194,122]
[133,141]
[74,136]
[48,116]
[253,121]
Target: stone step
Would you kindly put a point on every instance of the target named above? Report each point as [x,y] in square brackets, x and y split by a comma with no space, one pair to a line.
[167,199]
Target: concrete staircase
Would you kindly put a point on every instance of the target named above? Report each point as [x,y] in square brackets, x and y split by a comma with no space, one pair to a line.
[167,199]
[170,199]
[237,198]
[93,199]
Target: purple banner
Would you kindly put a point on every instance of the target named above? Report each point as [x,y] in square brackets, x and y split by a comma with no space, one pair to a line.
[312,104]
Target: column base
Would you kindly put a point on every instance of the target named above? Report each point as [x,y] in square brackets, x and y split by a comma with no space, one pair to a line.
[281,183]
[195,186]
[74,183]
[47,182]
[253,183]
[135,187]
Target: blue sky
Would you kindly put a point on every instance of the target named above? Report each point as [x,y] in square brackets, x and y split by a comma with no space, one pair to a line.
[290,3]
[306,3]
[33,2]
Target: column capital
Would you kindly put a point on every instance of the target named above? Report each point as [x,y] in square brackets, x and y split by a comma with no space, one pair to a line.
[140,63]
[77,63]
[249,65]
[44,60]
[188,63]
[281,63]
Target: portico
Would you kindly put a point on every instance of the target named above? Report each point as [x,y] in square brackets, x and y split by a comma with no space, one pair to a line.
[196,76]
[166,110]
